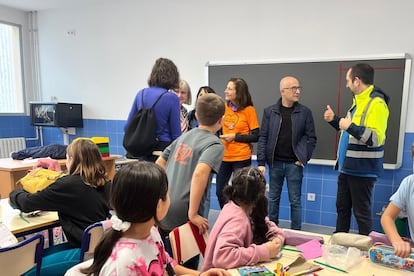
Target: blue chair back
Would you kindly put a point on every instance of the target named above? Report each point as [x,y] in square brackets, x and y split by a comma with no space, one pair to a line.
[90,239]
[23,256]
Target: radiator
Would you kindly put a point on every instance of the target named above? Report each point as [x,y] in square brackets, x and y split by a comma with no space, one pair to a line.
[9,145]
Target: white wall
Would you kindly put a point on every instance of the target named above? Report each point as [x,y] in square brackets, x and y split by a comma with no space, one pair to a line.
[117,42]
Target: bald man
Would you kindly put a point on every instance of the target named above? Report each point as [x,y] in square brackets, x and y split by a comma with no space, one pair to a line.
[286,142]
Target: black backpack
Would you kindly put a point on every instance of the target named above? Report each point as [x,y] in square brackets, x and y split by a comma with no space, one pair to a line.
[140,136]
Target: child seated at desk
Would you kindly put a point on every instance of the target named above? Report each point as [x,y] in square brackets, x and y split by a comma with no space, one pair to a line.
[242,233]
[80,198]
[133,246]
[401,200]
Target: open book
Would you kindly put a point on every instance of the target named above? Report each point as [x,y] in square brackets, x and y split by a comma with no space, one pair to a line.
[299,266]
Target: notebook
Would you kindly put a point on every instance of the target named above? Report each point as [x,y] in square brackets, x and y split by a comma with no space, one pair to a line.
[6,237]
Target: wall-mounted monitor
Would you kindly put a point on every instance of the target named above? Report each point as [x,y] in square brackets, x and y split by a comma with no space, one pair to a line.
[56,114]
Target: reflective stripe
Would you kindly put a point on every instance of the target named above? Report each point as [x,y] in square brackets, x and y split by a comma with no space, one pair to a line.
[365,136]
[362,141]
[364,154]
[355,141]
[375,140]
[364,113]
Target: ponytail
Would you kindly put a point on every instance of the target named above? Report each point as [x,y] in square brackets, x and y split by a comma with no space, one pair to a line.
[258,216]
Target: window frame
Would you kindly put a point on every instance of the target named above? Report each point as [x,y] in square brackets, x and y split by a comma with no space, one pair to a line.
[22,89]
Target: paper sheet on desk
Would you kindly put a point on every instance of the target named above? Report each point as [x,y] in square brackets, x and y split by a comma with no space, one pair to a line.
[30,161]
[6,237]
[311,249]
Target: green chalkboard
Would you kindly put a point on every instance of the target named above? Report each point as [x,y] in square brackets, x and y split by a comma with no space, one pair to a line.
[324,83]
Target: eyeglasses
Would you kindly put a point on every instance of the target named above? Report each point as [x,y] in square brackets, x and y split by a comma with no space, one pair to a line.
[295,88]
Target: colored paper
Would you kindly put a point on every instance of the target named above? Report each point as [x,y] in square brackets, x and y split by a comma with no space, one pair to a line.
[311,249]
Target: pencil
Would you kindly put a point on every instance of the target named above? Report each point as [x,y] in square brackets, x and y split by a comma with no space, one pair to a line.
[330,266]
[292,249]
[307,271]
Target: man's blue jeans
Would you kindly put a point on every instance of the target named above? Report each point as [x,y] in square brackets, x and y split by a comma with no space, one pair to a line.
[293,175]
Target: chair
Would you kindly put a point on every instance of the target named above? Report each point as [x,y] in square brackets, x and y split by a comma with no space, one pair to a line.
[186,242]
[19,258]
[91,237]
[57,263]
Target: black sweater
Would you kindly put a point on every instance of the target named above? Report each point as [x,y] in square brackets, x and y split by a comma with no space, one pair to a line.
[78,204]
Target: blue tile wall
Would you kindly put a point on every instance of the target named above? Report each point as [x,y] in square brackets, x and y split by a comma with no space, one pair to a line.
[318,179]
[17,126]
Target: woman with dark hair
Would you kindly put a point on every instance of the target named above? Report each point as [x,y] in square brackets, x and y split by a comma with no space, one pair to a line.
[240,129]
[164,76]
[133,245]
[192,120]
[243,234]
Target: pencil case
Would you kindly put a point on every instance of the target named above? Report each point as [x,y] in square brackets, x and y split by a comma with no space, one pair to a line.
[294,238]
[361,242]
[384,255]
[382,238]
[379,237]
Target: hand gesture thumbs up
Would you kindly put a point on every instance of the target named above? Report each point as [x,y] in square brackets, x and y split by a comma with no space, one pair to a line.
[344,123]
[329,114]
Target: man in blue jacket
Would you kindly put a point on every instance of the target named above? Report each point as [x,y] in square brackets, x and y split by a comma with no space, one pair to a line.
[286,142]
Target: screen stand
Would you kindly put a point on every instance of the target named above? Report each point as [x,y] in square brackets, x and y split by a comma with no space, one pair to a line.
[66,132]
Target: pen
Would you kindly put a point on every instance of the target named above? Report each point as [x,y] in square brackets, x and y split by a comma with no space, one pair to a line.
[307,271]
[330,266]
[23,218]
[292,249]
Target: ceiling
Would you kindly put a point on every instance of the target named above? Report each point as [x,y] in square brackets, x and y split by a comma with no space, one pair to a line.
[37,5]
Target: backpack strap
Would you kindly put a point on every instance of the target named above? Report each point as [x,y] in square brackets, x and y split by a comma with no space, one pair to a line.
[142,98]
[156,101]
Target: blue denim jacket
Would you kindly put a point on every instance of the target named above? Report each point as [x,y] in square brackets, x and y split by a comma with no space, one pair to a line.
[303,133]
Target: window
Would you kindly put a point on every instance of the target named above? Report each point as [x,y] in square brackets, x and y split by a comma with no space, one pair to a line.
[11,81]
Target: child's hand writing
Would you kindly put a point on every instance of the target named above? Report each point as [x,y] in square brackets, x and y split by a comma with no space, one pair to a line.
[277,241]
[274,248]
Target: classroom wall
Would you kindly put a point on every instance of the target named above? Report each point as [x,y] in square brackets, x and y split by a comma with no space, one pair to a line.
[116,43]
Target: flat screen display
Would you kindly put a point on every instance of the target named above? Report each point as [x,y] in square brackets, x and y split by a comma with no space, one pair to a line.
[43,114]
[56,114]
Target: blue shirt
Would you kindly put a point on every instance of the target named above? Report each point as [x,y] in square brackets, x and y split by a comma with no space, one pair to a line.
[167,111]
[404,200]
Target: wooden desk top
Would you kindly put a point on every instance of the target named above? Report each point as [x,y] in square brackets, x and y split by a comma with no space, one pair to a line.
[10,217]
[8,164]
[365,267]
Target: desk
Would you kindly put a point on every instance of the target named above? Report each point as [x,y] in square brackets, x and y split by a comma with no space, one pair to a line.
[12,170]
[19,227]
[364,268]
